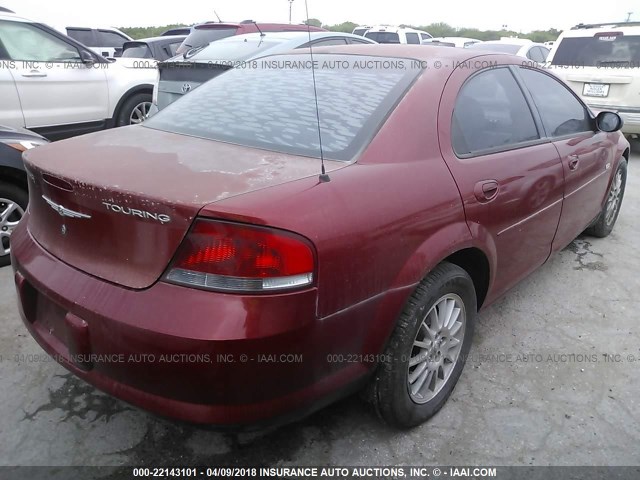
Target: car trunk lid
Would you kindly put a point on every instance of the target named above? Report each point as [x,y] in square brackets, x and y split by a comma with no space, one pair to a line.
[117,204]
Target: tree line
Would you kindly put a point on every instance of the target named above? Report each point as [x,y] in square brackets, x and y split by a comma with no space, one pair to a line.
[439,29]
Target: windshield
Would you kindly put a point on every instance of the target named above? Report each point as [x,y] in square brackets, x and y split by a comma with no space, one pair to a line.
[137,50]
[271,105]
[383,37]
[496,47]
[202,35]
[606,49]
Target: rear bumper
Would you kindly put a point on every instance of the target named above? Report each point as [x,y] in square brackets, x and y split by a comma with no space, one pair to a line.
[197,356]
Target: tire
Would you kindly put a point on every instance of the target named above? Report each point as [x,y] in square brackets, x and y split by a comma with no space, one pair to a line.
[128,112]
[391,389]
[605,222]
[10,216]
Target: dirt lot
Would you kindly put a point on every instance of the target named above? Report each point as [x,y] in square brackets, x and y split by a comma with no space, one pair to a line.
[538,389]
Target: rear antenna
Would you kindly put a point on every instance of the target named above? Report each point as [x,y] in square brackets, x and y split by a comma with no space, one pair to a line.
[324,176]
[218,16]
[258,27]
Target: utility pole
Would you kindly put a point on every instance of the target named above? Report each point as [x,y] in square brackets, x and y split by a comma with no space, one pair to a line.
[629,16]
[290,7]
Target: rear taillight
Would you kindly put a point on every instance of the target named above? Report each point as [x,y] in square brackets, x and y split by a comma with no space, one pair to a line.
[226,256]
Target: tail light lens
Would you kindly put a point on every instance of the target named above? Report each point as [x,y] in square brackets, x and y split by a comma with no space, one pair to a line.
[226,256]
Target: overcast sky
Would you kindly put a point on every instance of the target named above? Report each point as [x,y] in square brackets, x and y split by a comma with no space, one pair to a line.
[483,14]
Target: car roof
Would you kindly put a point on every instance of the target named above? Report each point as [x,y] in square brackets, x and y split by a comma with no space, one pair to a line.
[393,29]
[14,17]
[631,28]
[401,51]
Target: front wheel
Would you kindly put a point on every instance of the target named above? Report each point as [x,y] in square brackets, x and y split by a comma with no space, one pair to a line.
[605,222]
[13,204]
[428,348]
[135,110]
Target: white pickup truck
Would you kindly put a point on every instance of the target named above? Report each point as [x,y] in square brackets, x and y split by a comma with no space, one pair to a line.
[57,87]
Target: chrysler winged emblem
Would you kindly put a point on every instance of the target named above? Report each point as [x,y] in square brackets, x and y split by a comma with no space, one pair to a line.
[64,212]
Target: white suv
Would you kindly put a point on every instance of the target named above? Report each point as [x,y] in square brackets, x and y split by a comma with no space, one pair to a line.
[57,87]
[390,34]
[601,63]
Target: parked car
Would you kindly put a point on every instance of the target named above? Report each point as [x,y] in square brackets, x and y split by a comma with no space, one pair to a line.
[208,32]
[391,34]
[601,63]
[361,30]
[156,48]
[57,87]
[185,73]
[105,41]
[536,52]
[13,182]
[460,42]
[247,287]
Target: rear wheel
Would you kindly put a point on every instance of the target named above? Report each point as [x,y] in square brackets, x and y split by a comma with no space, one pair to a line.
[428,348]
[135,110]
[605,222]
[13,204]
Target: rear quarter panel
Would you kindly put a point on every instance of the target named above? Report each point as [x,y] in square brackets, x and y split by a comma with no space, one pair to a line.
[379,226]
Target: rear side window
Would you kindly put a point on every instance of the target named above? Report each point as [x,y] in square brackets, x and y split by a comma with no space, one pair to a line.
[491,113]
[383,37]
[603,50]
[272,106]
[535,54]
[413,39]
[561,112]
[83,35]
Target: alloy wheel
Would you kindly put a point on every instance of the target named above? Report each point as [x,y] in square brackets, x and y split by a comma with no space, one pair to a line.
[436,348]
[613,201]
[10,215]
[140,113]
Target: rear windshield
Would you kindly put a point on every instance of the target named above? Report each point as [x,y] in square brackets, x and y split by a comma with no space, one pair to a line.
[136,50]
[603,50]
[232,50]
[497,47]
[202,35]
[383,37]
[271,104]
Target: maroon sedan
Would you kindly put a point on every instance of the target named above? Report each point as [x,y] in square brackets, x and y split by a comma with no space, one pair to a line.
[198,265]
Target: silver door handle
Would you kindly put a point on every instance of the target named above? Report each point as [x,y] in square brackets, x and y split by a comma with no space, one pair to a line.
[34,73]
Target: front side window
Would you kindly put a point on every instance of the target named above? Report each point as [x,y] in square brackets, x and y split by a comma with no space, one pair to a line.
[561,112]
[491,113]
[273,106]
[26,42]
[413,39]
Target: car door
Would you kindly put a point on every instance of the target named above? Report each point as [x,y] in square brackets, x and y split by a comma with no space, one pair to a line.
[508,174]
[54,86]
[10,111]
[587,154]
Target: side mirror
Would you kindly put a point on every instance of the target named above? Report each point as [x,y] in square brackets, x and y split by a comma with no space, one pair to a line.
[87,58]
[609,122]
